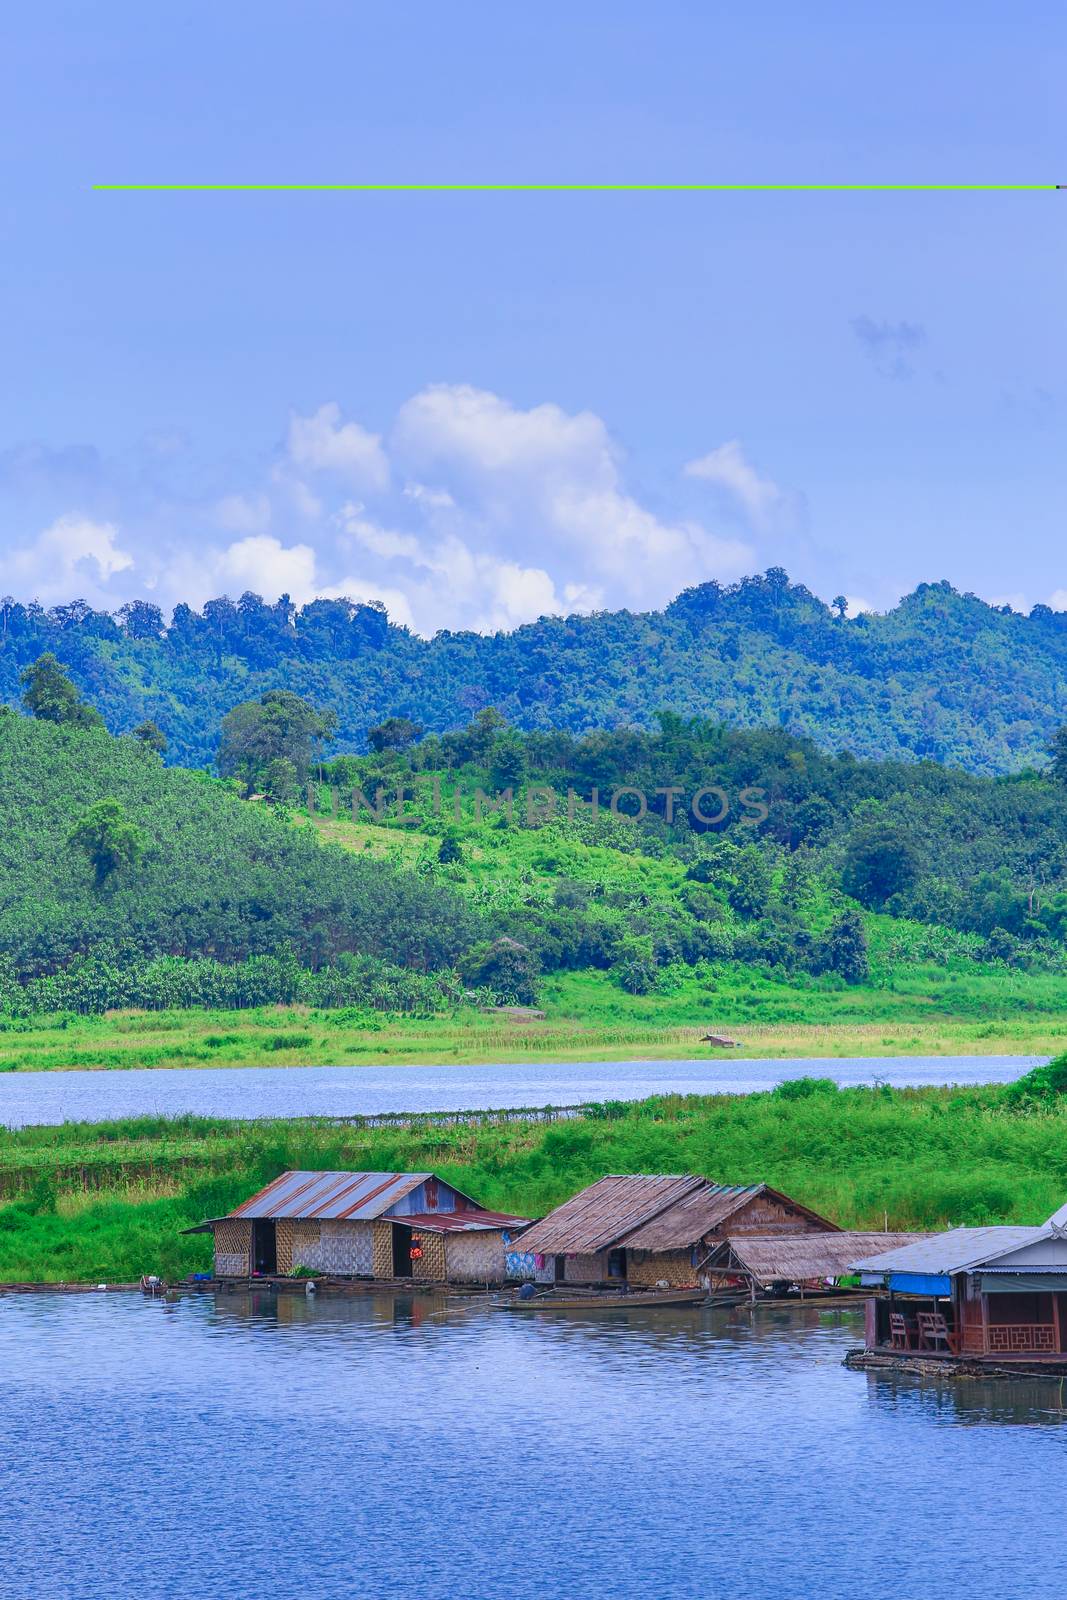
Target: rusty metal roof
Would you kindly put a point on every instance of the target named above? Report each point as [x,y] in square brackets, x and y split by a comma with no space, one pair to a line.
[771,1258]
[462,1221]
[602,1215]
[341,1196]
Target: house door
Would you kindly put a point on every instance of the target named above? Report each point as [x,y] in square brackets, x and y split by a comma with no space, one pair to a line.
[264,1245]
[401,1250]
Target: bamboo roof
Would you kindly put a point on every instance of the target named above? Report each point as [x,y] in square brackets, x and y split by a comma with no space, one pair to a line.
[599,1217]
[775,1258]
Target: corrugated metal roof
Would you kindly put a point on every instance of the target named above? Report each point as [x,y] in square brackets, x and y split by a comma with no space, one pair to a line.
[462,1221]
[341,1196]
[1040,1269]
[600,1216]
[705,1211]
[770,1258]
[954,1251]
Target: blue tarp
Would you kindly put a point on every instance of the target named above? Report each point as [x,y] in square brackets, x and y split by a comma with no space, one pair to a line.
[927,1283]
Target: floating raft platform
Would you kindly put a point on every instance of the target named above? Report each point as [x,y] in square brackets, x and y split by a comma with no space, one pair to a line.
[931,1364]
[605,1300]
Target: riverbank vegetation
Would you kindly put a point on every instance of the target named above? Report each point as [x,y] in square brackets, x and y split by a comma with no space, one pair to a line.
[107,1202]
[926,1011]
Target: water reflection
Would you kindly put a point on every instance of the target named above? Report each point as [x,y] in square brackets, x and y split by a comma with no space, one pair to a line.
[249,1444]
[971,1401]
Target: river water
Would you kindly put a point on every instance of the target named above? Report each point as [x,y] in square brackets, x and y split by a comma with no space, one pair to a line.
[392,1444]
[49,1097]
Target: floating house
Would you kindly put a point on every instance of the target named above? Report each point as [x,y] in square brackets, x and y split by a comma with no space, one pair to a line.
[649,1230]
[994,1296]
[384,1225]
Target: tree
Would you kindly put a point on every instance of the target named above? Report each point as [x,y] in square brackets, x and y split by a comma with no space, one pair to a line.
[140,620]
[395,733]
[881,860]
[108,838]
[151,735]
[449,850]
[507,760]
[751,888]
[843,949]
[278,726]
[49,695]
[280,782]
[504,965]
[1058,753]
[840,605]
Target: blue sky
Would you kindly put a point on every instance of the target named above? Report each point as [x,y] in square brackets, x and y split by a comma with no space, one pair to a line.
[484,407]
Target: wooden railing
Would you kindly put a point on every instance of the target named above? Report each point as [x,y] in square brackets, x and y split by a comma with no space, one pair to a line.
[1005,1338]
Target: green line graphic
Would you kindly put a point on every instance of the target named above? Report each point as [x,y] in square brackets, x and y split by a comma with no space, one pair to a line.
[569,188]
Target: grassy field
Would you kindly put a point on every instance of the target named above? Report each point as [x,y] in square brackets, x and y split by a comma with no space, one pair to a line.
[921,1010]
[108,1202]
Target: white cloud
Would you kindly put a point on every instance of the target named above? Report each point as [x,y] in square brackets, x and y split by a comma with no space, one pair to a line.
[72,559]
[449,585]
[726,467]
[857,606]
[548,480]
[363,590]
[1058,600]
[423,495]
[243,513]
[268,567]
[323,443]
[384,542]
[482,515]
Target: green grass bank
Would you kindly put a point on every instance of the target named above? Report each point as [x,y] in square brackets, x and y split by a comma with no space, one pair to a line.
[106,1202]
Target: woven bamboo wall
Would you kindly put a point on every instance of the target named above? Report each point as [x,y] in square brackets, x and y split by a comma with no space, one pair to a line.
[345,1248]
[233,1247]
[586,1269]
[284,1230]
[474,1258]
[647,1268]
[430,1266]
[382,1250]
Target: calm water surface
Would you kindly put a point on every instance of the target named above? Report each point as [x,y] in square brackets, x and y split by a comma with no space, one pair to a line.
[394,1445]
[38,1097]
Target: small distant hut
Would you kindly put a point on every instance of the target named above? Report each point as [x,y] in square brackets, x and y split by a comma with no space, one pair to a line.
[647,1230]
[384,1225]
[985,1295]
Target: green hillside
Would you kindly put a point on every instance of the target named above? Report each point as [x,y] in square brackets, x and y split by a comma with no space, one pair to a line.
[943,676]
[214,879]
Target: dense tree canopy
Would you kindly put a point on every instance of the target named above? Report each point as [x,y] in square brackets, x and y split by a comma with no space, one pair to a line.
[943,676]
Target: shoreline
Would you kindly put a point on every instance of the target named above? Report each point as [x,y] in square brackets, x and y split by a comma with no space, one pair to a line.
[113,1045]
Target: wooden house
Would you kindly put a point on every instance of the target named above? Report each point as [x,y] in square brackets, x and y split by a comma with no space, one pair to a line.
[991,1295]
[384,1225]
[648,1230]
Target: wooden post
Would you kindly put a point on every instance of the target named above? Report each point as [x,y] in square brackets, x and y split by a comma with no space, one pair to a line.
[1057,1337]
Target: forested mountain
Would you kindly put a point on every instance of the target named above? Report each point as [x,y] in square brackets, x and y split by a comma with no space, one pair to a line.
[943,676]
